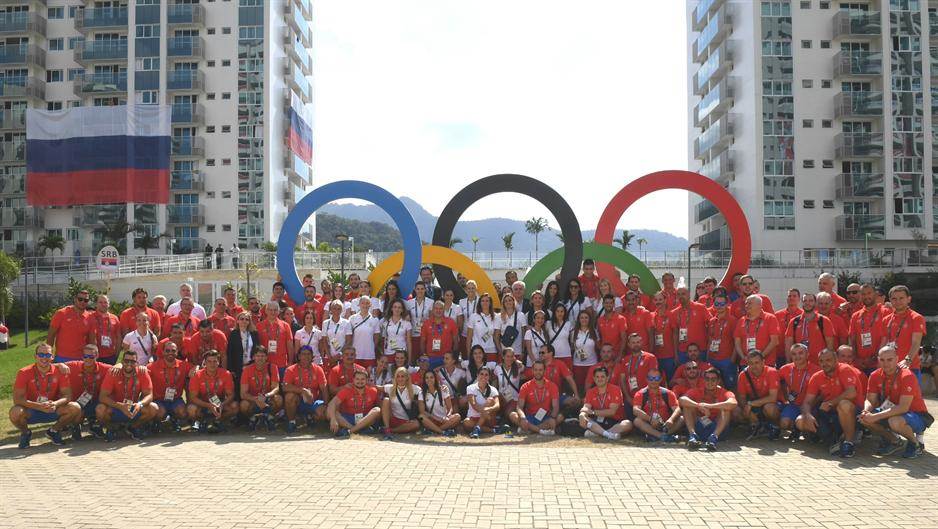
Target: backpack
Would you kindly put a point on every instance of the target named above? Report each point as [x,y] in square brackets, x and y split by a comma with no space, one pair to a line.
[664,397]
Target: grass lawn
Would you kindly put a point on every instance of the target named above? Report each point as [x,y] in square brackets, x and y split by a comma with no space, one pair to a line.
[19,355]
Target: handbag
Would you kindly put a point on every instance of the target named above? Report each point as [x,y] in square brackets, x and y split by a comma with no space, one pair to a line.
[413,411]
[510,333]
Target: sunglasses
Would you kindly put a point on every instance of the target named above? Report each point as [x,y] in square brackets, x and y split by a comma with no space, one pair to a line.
[424,360]
[44,355]
[652,378]
[88,356]
[82,300]
[715,379]
[130,360]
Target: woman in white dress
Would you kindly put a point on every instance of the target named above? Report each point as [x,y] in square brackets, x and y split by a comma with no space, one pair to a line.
[437,412]
[583,342]
[310,336]
[483,329]
[558,335]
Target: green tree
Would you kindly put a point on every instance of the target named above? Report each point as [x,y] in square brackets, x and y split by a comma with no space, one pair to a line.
[9,272]
[625,240]
[641,243]
[149,242]
[454,241]
[325,248]
[116,234]
[509,245]
[268,246]
[534,226]
[52,242]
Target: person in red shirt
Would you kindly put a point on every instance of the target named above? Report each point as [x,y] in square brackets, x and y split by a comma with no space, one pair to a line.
[538,409]
[668,291]
[211,395]
[355,407]
[310,304]
[756,330]
[688,324]
[220,319]
[831,404]
[277,336]
[693,354]
[107,330]
[260,391]
[692,379]
[792,309]
[825,307]
[232,308]
[589,279]
[632,371]
[126,397]
[177,336]
[847,357]
[826,282]
[169,375]
[638,319]
[438,334]
[634,284]
[612,326]
[656,411]
[758,396]
[853,303]
[207,339]
[70,329]
[811,329]
[607,359]
[905,329]
[342,373]
[867,333]
[747,286]
[42,394]
[254,309]
[707,412]
[128,318]
[663,339]
[706,298]
[602,414]
[85,377]
[894,408]
[720,342]
[558,373]
[793,384]
[190,324]
[305,390]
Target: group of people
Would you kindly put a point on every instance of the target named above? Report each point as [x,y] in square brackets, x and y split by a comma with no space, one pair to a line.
[581,360]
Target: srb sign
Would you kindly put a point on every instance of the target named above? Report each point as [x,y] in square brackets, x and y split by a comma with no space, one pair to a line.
[108,259]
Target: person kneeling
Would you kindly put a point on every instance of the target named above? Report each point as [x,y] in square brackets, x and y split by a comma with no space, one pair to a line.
[211,395]
[260,391]
[538,409]
[603,412]
[399,407]
[483,405]
[437,409]
[126,397]
[305,390]
[657,413]
[707,411]
[41,393]
[757,391]
[355,407]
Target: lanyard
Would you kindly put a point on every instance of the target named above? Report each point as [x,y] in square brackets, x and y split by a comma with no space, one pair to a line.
[864,325]
[85,381]
[791,383]
[894,337]
[262,383]
[49,380]
[214,389]
[661,321]
[482,317]
[305,382]
[279,330]
[329,327]
[601,402]
[684,318]
[436,397]
[101,326]
[722,328]
[654,400]
[804,327]
[449,312]
[895,379]
[586,336]
[355,327]
[475,304]
[632,362]
[758,326]
[420,304]
[358,403]
[131,392]
[171,382]
[309,336]
[542,396]
[148,352]
[538,336]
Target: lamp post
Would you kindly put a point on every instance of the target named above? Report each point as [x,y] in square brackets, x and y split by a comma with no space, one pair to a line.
[342,238]
[689,248]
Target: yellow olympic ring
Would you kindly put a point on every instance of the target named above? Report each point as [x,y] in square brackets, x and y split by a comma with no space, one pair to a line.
[435,255]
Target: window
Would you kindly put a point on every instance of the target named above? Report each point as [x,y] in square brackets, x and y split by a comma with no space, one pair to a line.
[827,123]
[226,129]
[148,97]
[209,194]
[210,228]
[73,41]
[827,164]
[805,4]
[226,194]
[148,63]
[226,62]
[226,31]
[226,95]
[825,44]
[209,129]
[53,76]
[71,234]
[210,31]
[226,227]
[211,64]
[226,161]
[808,164]
[807,83]
[55,13]
[825,5]
[74,104]
[56,44]
[71,11]
[828,204]
[210,162]
[825,83]
[806,44]
[75,72]
[808,204]
[54,105]
[210,96]
[807,123]
[148,31]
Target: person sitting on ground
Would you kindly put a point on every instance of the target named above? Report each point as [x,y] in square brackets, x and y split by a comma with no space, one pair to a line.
[680,374]
[260,391]
[211,394]
[707,412]
[656,410]
[757,395]
[399,408]
[538,409]
[305,390]
[437,411]
[42,394]
[483,410]
[126,397]
[602,414]
[355,407]
[830,407]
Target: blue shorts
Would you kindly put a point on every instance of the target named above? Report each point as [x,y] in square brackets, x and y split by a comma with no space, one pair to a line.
[435,362]
[829,423]
[534,421]
[349,418]
[36,416]
[307,408]
[88,409]
[791,411]
[119,416]
[729,371]
[912,418]
[171,405]
[281,370]
[704,432]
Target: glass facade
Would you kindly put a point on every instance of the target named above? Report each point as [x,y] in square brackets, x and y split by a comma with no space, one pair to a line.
[250,123]
[778,114]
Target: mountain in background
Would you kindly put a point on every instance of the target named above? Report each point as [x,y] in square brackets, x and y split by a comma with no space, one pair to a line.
[489,231]
[375,235]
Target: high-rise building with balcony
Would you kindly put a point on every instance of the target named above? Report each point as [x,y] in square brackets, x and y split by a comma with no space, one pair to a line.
[813,115]
[230,69]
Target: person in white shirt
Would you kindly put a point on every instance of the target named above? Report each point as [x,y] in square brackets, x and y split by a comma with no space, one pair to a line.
[185,291]
[583,341]
[309,335]
[482,415]
[437,413]
[483,330]
[337,332]
[366,333]
[451,309]
[558,335]
[398,406]
[141,340]
[419,309]
[396,330]
[576,302]
[511,317]
[453,376]
[354,306]
[380,374]
[467,306]
[535,337]
[508,381]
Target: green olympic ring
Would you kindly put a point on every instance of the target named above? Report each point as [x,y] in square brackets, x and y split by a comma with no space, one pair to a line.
[604,253]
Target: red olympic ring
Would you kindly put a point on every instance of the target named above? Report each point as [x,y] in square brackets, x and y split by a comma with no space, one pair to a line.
[695,183]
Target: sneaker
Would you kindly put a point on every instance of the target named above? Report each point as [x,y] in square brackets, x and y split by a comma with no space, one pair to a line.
[693,442]
[589,434]
[476,432]
[508,433]
[449,433]
[76,432]
[774,433]
[755,431]
[387,435]
[252,423]
[175,424]
[847,449]
[291,427]
[913,449]
[612,436]
[135,433]
[197,426]
[97,431]
[887,448]
[110,436]
[711,444]
[649,438]
[212,427]
[546,432]
[270,423]
[835,448]
[24,439]
[343,433]
[155,427]
[668,438]
[55,437]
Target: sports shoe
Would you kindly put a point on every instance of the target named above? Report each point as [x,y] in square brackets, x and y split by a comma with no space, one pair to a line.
[270,423]
[343,433]
[24,439]
[212,427]
[612,436]
[55,437]
[197,426]
[475,433]
[175,424]
[387,435]
[835,448]
[110,436]
[547,432]
[155,427]
[135,434]
[887,448]
[97,431]
[774,433]
[754,431]
[76,432]
[589,434]
[711,444]
[913,449]
[291,426]
[252,423]
[649,438]
[847,449]
[449,433]
[508,433]
[668,438]
[693,442]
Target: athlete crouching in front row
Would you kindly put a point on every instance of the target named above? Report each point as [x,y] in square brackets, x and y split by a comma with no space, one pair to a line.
[354,407]
[260,391]
[126,397]
[603,411]
[707,411]
[211,396]
[41,394]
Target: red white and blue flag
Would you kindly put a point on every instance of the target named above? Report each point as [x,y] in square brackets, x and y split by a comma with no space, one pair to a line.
[301,134]
[98,155]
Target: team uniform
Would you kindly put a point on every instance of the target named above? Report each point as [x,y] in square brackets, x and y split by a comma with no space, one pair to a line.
[892,389]
[364,329]
[483,333]
[538,400]
[169,382]
[401,403]
[312,378]
[86,386]
[311,339]
[395,335]
[194,347]
[335,333]
[41,388]
[706,424]
[123,388]
[276,336]
[793,388]
[354,405]
[72,330]
[605,400]
[866,332]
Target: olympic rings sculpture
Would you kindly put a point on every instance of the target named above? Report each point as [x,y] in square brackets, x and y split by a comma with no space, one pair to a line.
[569,257]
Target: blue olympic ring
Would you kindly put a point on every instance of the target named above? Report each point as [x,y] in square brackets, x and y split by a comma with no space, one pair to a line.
[413,251]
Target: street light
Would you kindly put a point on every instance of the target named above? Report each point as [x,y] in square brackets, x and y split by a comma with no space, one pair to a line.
[689,248]
[342,238]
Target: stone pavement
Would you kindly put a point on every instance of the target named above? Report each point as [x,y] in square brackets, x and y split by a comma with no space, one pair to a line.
[239,480]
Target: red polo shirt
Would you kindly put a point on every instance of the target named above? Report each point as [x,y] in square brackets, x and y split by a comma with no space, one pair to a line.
[900,384]
[693,319]
[762,329]
[611,327]
[443,334]
[72,332]
[828,387]
[867,329]
[899,329]
[761,385]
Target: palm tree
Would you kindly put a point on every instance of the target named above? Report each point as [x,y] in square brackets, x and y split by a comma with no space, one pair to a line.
[509,245]
[534,226]
[454,241]
[475,242]
[559,235]
[149,242]
[625,240]
[53,242]
[641,242]
[115,234]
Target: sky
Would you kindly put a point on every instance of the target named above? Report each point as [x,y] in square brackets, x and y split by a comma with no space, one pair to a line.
[422,97]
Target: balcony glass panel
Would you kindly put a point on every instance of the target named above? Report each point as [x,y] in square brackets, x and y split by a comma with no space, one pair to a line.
[856,227]
[104,49]
[147,80]
[103,82]
[708,68]
[103,17]
[184,79]
[865,103]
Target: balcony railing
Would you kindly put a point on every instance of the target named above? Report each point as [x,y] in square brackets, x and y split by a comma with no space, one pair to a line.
[704,8]
[714,103]
[22,86]
[185,80]
[858,145]
[186,14]
[185,47]
[718,135]
[98,18]
[909,220]
[13,151]
[858,104]
[714,68]
[855,24]
[720,167]
[858,186]
[704,210]
[26,54]
[185,214]
[186,181]
[933,24]
[188,113]
[100,83]
[27,217]
[297,20]
[12,119]
[717,239]
[187,146]
[858,64]
[89,51]
[857,227]
[717,29]
[22,22]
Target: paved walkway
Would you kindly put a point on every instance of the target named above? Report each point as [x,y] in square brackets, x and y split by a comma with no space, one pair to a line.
[185,480]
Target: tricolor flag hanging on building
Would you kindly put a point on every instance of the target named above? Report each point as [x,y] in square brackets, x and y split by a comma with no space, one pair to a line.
[301,134]
[98,155]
